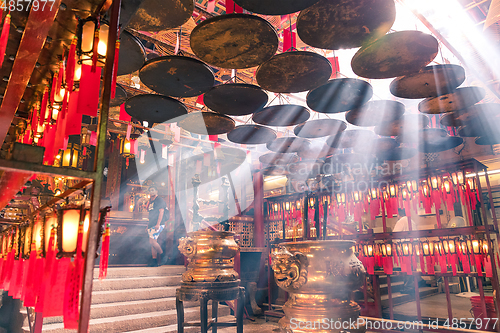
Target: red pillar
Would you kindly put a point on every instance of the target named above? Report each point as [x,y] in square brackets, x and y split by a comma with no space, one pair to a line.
[258,208]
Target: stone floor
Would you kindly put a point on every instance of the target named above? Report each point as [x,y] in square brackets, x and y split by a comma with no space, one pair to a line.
[435,306]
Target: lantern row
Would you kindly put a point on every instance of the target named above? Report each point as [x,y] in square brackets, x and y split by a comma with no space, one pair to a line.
[435,191]
[467,254]
[41,263]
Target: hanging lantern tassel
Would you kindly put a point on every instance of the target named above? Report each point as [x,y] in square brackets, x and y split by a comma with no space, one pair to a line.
[30,297]
[73,285]
[422,262]
[388,265]
[479,266]
[103,264]
[464,260]
[95,54]
[47,272]
[115,69]
[71,64]
[4,38]
[488,269]
[429,260]
[60,75]
[370,267]
[43,108]
[374,209]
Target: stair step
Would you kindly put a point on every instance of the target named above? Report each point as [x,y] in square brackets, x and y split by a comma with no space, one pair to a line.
[133,322]
[399,298]
[395,286]
[112,296]
[127,308]
[394,278]
[123,272]
[136,282]
[173,328]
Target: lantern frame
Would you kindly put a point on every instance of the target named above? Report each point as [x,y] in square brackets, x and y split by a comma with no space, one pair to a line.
[46,230]
[407,248]
[435,182]
[484,246]
[368,250]
[70,157]
[83,214]
[86,56]
[427,248]
[27,240]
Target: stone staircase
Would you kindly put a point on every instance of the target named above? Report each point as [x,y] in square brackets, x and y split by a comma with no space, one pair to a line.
[136,300]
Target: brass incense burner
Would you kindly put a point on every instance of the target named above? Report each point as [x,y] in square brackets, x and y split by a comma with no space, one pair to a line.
[210,256]
[319,277]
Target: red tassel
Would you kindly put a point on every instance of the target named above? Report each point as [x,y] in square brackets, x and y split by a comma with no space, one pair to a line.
[30,298]
[370,269]
[43,108]
[50,259]
[488,269]
[73,286]
[17,277]
[479,266]
[53,89]
[422,263]
[71,65]
[60,75]
[103,265]
[430,265]
[8,270]
[4,38]
[115,69]
[213,138]
[95,54]
[88,101]
[388,266]
[55,299]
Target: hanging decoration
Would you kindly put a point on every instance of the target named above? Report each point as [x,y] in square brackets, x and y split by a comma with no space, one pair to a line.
[4,38]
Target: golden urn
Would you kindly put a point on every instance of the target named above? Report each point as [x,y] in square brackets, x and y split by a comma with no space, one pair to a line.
[319,277]
[210,256]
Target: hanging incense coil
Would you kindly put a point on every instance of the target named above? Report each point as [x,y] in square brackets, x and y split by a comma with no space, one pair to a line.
[275,7]
[408,122]
[350,138]
[278,158]
[319,128]
[120,96]
[158,15]
[251,134]
[446,144]
[132,54]
[377,146]
[375,113]
[293,72]
[344,24]
[430,135]
[430,81]
[235,99]
[397,154]
[282,115]
[484,112]
[155,108]
[339,95]
[207,123]
[459,99]
[234,41]
[395,54]
[288,145]
[177,76]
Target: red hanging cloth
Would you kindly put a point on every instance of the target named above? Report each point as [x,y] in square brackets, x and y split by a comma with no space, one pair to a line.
[4,38]
[71,65]
[115,69]
[43,108]
[88,101]
[95,48]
